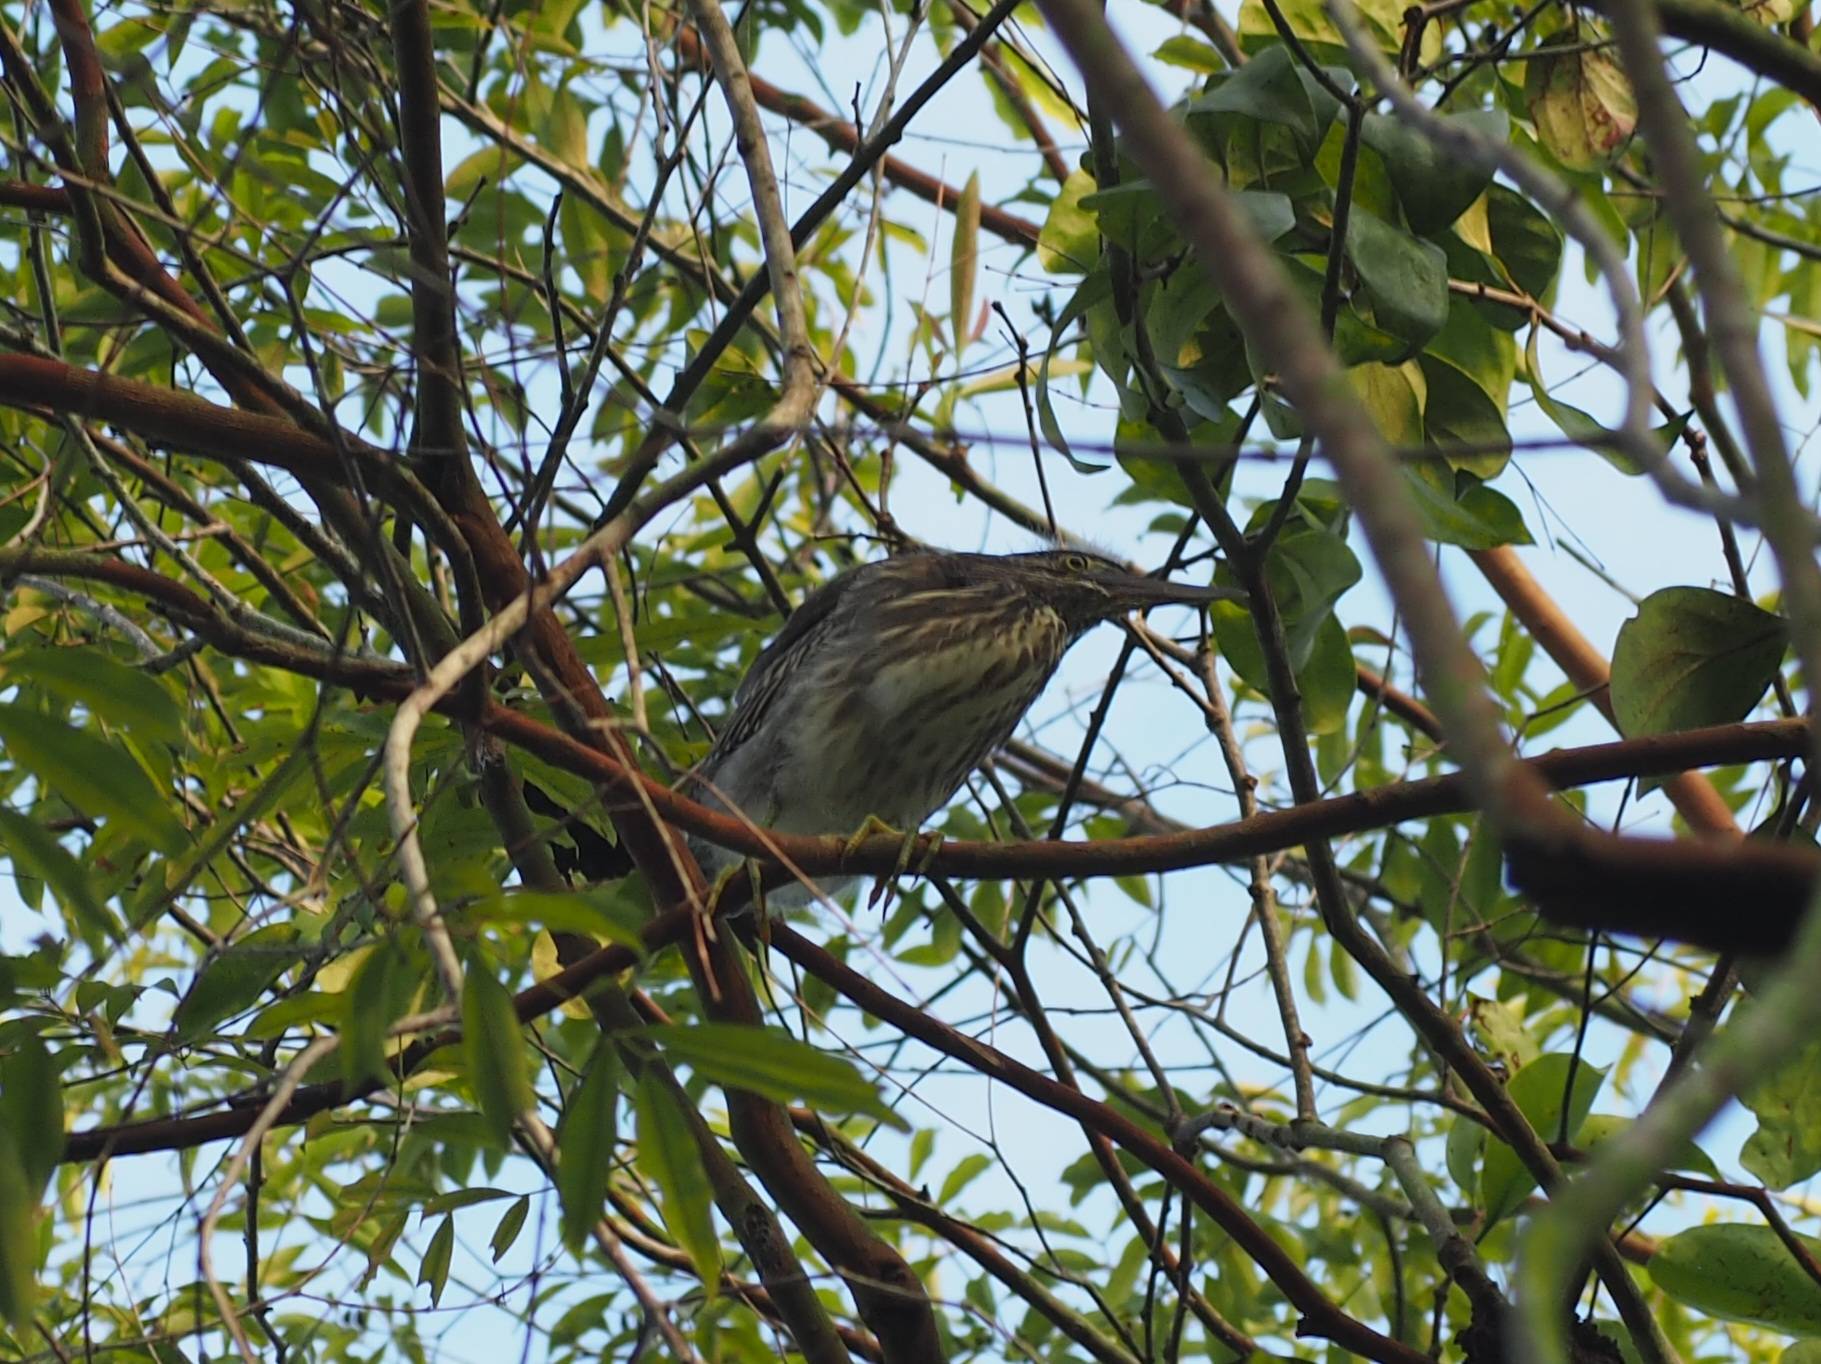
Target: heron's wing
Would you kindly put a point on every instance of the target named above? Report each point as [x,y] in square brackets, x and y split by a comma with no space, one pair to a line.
[780,658]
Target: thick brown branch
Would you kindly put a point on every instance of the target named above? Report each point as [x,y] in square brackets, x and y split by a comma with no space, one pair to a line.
[1779,872]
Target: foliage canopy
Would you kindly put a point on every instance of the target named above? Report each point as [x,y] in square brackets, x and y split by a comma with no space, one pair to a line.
[414,419]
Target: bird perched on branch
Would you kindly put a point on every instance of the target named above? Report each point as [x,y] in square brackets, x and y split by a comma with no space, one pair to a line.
[896,679]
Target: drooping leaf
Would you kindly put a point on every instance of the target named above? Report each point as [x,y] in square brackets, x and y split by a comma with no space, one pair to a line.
[234,979]
[584,1143]
[35,852]
[494,1052]
[433,1269]
[964,263]
[511,1223]
[668,1157]
[18,1239]
[378,995]
[31,1109]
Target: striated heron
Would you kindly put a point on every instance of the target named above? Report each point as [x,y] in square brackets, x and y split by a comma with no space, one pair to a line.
[896,679]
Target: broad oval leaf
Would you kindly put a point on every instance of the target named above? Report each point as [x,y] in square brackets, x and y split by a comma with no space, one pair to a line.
[1693,657]
[1538,1090]
[1433,186]
[1740,1273]
[1405,279]
[1786,1148]
[1580,100]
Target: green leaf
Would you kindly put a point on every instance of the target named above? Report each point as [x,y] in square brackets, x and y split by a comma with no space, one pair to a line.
[234,979]
[964,263]
[1433,186]
[1479,518]
[510,1224]
[456,1199]
[584,1144]
[380,993]
[31,1109]
[1096,287]
[1393,396]
[1740,1273]
[599,911]
[1325,679]
[966,1170]
[434,1268]
[96,777]
[1692,657]
[18,1239]
[1498,1029]
[118,694]
[1786,1148]
[1524,241]
[1404,278]
[668,1157]
[215,837]
[1069,242]
[1571,421]
[774,1065]
[36,853]
[1191,54]
[1271,88]
[1466,1142]
[1538,1090]
[495,1052]
[1601,1128]
[1468,370]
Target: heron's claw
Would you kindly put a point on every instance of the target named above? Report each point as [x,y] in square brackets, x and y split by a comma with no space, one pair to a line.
[911,843]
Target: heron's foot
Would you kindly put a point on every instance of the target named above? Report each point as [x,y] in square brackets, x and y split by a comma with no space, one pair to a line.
[870,827]
[910,845]
[721,890]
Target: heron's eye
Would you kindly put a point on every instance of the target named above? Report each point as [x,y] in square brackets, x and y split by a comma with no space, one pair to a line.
[1076,563]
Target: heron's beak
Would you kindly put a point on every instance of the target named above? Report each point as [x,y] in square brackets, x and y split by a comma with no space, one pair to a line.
[1134,591]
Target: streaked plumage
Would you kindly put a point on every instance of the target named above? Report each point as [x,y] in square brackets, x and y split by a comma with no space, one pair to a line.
[896,679]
